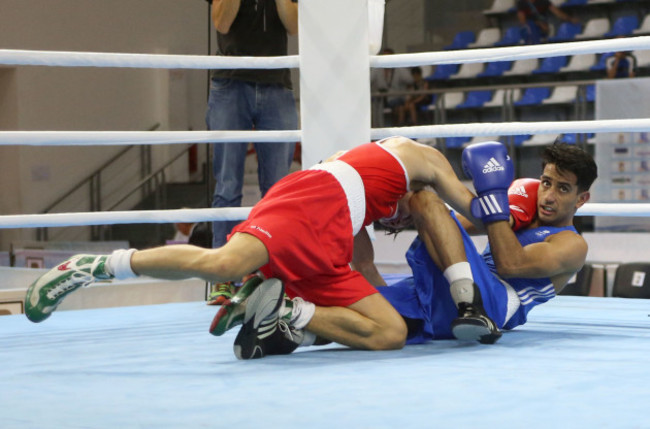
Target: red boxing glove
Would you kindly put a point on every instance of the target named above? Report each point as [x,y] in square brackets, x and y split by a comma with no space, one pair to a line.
[522,197]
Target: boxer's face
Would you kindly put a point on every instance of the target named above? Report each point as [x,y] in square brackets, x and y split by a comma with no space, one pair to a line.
[558,197]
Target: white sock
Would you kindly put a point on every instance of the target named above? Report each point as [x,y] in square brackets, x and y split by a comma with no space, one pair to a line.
[461,282]
[308,339]
[118,263]
[301,312]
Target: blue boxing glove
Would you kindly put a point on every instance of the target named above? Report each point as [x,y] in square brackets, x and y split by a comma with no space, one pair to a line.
[490,168]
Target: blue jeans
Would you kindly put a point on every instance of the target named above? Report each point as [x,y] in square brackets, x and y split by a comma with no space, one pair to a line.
[239,105]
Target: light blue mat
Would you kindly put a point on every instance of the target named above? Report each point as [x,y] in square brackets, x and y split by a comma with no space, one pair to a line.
[579,363]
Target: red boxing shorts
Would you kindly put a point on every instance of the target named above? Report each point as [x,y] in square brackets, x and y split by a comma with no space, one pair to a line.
[305,223]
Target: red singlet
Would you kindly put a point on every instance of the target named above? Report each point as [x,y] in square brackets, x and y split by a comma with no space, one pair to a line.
[307,222]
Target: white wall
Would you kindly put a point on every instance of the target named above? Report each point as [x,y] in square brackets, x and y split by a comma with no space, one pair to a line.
[60,98]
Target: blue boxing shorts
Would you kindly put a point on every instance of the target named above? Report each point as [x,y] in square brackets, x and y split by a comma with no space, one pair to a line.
[425,296]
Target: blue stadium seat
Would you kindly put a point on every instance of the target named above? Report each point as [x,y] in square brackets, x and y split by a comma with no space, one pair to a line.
[455,142]
[495,68]
[572,138]
[475,99]
[461,40]
[574,3]
[566,31]
[551,65]
[590,93]
[443,71]
[601,64]
[533,96]
[623,26]
[519,140]
[512,36]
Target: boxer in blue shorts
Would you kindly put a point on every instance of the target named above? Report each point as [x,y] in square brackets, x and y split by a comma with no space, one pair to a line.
[529,257]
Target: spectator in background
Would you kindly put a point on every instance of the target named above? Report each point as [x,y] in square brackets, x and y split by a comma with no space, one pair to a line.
[392,80]
[415,101]
[621,64]
[533,15]
[247,99]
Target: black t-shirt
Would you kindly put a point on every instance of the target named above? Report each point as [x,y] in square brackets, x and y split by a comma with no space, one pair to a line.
[257,31]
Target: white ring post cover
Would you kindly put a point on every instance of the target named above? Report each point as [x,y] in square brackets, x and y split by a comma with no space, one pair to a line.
[334,77]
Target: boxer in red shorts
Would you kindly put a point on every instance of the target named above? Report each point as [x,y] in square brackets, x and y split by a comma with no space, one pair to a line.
[311,253]
[303,232]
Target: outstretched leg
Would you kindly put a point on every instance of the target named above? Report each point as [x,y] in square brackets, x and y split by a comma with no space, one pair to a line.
[241,255]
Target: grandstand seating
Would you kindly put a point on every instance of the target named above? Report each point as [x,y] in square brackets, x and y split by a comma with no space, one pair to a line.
[461,40]
[551,65]
[497,98]
[452,99]
[623,26]
[522,67]
[562,95]
[468,70]
[579,63]
[500,6]
[475,99]
[573,3]
[459,84]
[644,28]
[512,36]
[594,29]
[540,140]
[565,32]
[601,65]
[495,68]
[590,93]
[520,139]
[533,96]
[642,58]
[486,37]
[443,71]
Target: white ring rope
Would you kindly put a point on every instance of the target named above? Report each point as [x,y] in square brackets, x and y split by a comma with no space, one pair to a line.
[107,138]
[102,59]
[511,53]
[514,128]
[228,213]
[123,217]
[147,61]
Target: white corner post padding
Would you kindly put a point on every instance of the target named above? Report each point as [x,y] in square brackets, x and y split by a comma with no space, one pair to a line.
[375,25]
[334,77]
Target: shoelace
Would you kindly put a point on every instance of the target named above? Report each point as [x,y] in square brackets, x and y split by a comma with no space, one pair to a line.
[284,327]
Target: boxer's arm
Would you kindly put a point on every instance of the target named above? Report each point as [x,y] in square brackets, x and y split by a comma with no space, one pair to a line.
[363,259]
[561,253]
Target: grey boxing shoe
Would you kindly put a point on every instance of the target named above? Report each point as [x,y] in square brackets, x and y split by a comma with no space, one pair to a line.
[47,292]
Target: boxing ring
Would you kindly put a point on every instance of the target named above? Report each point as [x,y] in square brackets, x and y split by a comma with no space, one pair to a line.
[579,361]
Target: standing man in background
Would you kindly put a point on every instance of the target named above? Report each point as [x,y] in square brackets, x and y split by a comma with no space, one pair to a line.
[246,99]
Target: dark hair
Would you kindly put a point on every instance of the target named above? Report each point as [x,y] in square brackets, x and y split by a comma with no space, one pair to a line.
[571,158]
[417,70]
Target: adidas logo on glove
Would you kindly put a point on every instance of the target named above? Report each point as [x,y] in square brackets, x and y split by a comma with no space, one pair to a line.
[492,166]
[518,190]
